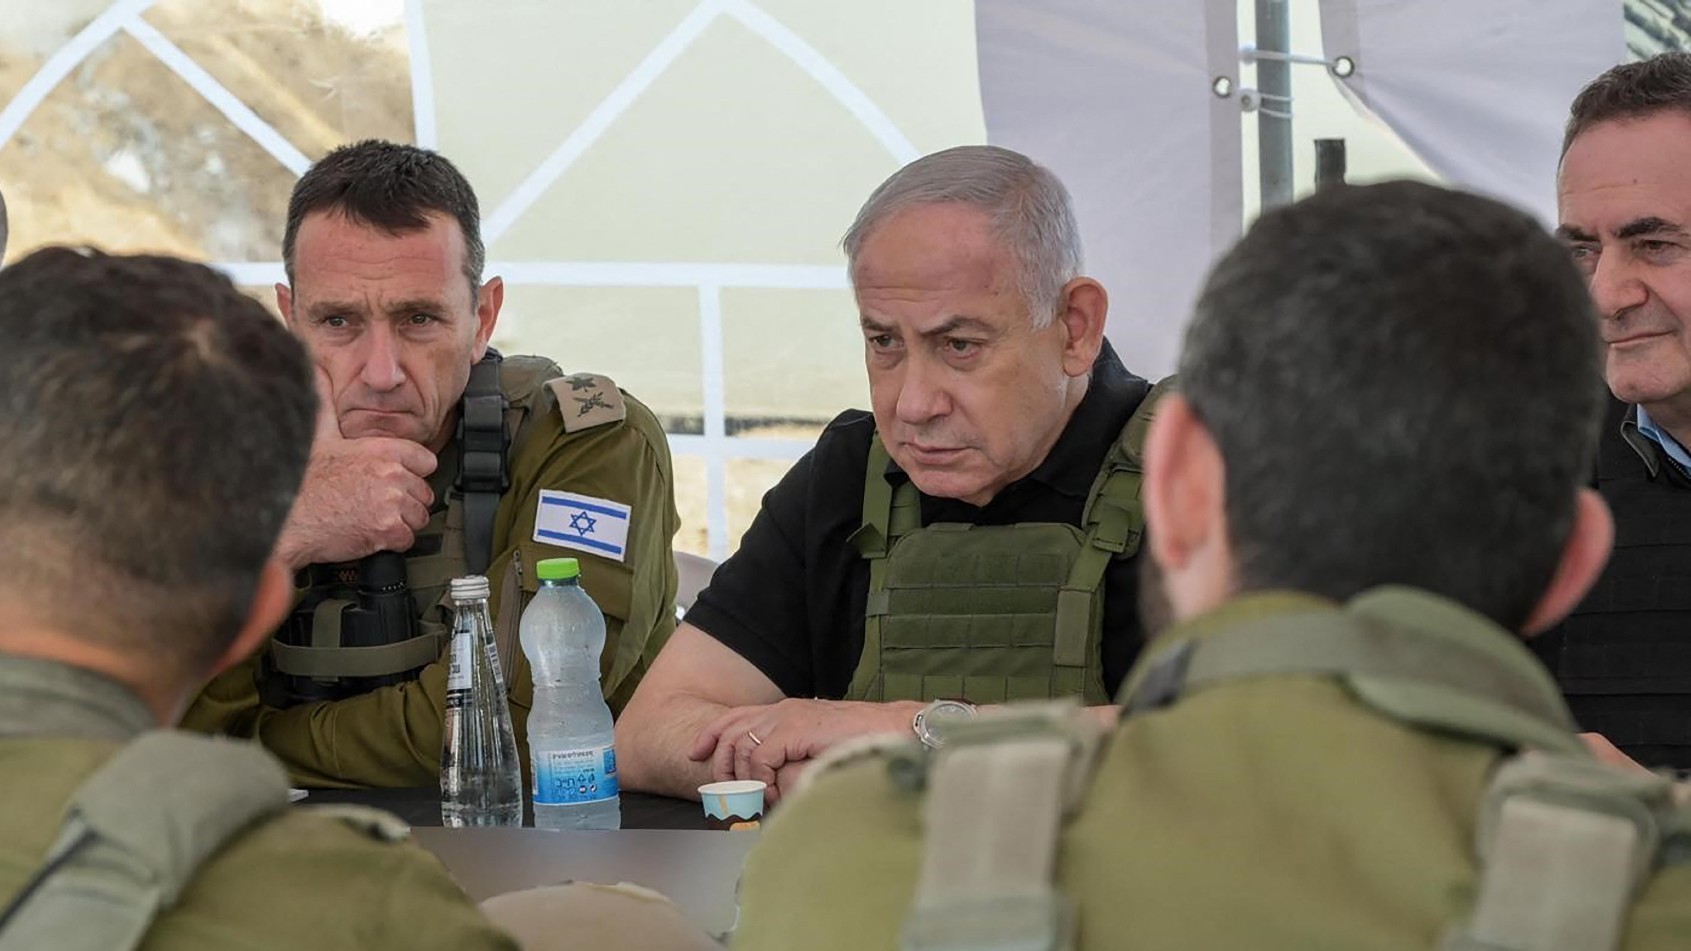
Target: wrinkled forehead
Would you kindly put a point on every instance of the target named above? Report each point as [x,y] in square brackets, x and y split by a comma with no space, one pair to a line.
[1624,169]
[335,256]
[948,245]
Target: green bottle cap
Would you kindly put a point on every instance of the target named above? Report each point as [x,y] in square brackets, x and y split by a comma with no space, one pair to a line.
[557,569]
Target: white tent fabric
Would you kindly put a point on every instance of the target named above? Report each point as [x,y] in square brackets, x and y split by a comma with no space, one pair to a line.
[1116,99]
[1479,91]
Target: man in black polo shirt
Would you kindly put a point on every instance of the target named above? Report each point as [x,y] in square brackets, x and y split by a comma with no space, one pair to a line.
[1623,658]
[971,541]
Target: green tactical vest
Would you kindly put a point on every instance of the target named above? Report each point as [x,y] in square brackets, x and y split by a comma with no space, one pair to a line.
[1564,844]
[994,613]
[438,555]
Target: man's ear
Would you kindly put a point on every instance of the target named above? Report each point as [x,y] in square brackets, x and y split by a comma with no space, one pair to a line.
[488,302]
[271,600]
[285,303]
[1084,310]
[1583,557]
[1186,510]
[1183,484]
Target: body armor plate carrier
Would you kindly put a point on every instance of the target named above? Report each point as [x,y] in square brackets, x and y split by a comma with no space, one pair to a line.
[993,613]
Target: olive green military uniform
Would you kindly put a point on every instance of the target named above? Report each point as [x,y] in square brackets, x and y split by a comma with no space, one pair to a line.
[391,736]
[1277,810]
[294,880]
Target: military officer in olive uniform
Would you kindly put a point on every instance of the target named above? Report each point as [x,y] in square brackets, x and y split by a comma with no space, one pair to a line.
[1369,485]
[968,542]
[156,425]
[434,457]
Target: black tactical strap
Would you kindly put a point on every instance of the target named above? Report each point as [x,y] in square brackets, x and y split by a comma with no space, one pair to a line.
[483,473]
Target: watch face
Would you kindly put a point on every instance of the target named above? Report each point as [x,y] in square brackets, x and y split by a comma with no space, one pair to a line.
[938,717]
[941,710]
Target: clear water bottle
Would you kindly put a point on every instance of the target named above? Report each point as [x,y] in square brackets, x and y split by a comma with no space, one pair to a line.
[481,781]
[571,746]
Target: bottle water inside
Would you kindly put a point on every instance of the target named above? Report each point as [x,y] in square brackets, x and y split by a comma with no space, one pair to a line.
[480,777]
[571,746]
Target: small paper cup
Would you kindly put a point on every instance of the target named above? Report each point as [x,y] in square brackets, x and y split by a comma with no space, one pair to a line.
[734,804]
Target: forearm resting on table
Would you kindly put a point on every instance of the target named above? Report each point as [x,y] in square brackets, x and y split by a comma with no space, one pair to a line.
[389,737]
[693,682]
[653,737]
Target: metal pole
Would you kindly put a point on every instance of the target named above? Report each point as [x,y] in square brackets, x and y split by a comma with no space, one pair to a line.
[1329,163]
[1274,119]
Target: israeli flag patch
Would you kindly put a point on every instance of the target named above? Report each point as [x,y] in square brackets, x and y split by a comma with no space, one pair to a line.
[582,522]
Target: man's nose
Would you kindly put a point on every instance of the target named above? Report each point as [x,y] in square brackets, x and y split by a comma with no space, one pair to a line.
[381,371]
[1616,287]
[922,395]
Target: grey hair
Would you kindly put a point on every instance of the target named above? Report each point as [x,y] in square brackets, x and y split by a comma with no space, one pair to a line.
[1031,213]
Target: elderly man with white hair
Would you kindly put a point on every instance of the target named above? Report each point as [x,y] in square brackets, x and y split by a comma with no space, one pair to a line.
[970,541]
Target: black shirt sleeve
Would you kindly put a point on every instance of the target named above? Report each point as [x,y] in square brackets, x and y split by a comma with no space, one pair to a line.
[790,600]
[755,603]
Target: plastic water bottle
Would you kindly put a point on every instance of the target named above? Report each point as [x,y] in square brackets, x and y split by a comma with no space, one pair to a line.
[481,781]
[571,746]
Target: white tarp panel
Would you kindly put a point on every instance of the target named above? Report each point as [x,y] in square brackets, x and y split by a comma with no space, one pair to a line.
[1479,91]
[1116,99]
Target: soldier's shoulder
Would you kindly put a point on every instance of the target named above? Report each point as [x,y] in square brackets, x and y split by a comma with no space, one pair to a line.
[307,872]
[329,833]
[587,400]
[584,402]
[579,400]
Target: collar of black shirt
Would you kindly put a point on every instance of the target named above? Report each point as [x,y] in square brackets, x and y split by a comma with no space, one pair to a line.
[1072,464]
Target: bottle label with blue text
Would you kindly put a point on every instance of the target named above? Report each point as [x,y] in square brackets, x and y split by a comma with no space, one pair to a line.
[572,777]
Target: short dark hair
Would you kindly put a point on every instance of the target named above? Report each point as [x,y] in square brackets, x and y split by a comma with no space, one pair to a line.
[1632,91]
[391,187]
[1405,384]
[156,424]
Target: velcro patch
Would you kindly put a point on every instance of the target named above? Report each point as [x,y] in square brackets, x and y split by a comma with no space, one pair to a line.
[586,400]
[582,522]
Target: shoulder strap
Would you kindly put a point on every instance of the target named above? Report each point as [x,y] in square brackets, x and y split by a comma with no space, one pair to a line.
[135,835]
[888,513]
[998,794]
[1564,844]
[1114,522]
[483,471]
[1439,684]
[1114,518]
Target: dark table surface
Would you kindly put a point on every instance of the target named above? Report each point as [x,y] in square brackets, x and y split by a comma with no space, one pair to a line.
[420,806]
